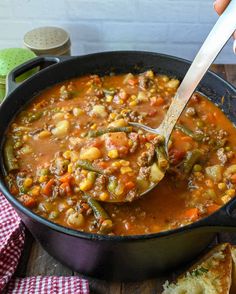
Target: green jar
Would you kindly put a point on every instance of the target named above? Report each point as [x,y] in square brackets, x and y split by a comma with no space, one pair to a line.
[9,59]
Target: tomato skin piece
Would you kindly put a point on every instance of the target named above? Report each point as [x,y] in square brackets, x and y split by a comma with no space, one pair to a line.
[176,156]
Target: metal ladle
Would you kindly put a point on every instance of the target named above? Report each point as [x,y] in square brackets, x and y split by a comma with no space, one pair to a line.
[215,41]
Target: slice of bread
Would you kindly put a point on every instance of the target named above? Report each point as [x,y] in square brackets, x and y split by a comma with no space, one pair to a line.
[210,275]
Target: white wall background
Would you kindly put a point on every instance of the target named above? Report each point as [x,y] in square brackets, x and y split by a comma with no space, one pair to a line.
[175,27]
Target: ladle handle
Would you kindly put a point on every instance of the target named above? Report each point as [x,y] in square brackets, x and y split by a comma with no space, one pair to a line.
[212,46]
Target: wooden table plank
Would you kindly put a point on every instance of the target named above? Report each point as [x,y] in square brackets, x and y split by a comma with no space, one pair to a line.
[41,263]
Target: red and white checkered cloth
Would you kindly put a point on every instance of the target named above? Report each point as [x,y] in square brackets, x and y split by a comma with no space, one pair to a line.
[12,236]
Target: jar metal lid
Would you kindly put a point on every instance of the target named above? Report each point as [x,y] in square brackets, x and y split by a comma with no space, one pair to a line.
[47,40]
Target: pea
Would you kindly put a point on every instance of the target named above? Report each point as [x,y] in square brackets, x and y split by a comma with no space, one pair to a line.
[197,168]
[200,123]
[227,148]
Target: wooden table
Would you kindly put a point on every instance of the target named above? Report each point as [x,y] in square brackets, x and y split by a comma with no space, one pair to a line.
[36,261]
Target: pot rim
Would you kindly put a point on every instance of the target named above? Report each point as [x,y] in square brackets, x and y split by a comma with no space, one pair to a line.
[94,236]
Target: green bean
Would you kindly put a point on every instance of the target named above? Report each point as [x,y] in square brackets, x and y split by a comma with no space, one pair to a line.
[195,136]
[112,185]
[161,157]
[191,158]
[85,164]
[101,215]
[9,156]
[97,133]
[34,116]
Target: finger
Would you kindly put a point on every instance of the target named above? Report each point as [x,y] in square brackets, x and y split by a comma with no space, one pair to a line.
[234,44]
[220,5]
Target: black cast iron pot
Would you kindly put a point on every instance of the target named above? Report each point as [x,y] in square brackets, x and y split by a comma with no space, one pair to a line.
[115,257]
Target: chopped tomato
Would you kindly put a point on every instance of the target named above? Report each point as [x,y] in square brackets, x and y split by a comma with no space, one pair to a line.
[192,214]
[27,200]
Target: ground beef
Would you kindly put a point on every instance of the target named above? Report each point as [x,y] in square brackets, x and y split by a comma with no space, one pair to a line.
[147,157]
[134,137]
[222,155]
[144,172]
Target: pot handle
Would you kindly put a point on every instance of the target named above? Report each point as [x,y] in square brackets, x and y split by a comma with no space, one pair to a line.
[41,62]
[223,219]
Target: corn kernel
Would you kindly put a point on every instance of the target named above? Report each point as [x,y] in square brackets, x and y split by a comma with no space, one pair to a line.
[230,192]
[125,170]
[70,168]
[28,182]
[109,98]
[85,185]
[152,91]
[133,97]
[130,143]
[113,153]
[225,198]
[116,164]
[133,103]
[222,186]
[112,115]
[66,154]
[35,191]
[124,162]
[120,102]
[93,127]
[43,179]
[104,196]
[124,111]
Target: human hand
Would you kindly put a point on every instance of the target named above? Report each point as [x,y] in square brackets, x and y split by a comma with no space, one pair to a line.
[219,6]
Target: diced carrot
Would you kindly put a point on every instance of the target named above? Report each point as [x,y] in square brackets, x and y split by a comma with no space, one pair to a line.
[66,187]
[233,178]
[47,189]
[212,208]
[66,178]
[130,185]
[102,164]
[160,101]
[27,200]
[192,214]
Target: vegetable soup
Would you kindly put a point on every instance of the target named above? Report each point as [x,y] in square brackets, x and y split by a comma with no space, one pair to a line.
[71,154]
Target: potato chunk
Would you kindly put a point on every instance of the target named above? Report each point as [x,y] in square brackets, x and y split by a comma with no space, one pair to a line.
[61,129]
[90,153]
